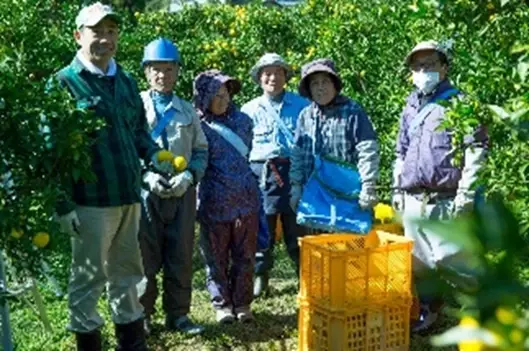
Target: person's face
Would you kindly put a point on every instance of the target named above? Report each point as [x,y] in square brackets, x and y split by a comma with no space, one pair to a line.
[220,102]
[273,79]
[322,88]
[162,76]
[98,43]
[428,61]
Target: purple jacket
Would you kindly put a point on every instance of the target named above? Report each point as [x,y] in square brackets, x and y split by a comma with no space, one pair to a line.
[229,188]
[426,155]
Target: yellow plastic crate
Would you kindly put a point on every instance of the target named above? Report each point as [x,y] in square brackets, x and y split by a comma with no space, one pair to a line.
[374,327]
[339,272]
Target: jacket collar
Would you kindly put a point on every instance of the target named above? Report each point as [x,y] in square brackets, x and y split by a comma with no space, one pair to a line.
[441,87]
[175,102]
[80,63]
[287,99]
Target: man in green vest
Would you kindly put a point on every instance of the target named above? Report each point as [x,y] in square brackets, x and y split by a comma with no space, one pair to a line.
[103,216]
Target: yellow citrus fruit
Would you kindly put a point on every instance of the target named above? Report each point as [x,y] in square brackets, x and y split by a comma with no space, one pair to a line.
[384,213]
[505,316]
[41,239]
[16,233]
[470,323]
[180,163]
[165,156]
[516,336]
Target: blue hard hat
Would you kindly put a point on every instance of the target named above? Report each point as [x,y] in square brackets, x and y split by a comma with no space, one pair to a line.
[161,50]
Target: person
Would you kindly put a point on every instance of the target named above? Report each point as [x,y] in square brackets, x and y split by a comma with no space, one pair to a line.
[168,209]
[426,182]
[336,128]
[228,212]
[103,215]
[274,115]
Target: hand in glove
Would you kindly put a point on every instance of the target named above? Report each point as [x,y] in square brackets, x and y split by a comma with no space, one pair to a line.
[162,166]
[397,201]
[69,224]
[158,184]
[462,204]
[180,183]
[295,195]
[368,197]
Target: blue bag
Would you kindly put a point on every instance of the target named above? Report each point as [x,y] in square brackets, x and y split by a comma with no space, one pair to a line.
[330,199]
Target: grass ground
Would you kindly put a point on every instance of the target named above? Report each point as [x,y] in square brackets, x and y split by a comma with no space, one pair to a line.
[275,327]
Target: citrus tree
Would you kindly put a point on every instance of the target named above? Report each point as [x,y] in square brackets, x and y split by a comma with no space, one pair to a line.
[45,141]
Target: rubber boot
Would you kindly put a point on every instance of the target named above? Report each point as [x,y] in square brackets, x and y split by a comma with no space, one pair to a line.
[131,336]
[89,341]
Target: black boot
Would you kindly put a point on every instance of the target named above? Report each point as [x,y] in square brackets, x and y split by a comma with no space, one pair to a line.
[89,341]
[131,336]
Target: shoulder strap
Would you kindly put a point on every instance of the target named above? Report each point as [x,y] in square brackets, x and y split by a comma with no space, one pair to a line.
[231,137]
[158,129]
[280,123]
[426,110]
[445,95]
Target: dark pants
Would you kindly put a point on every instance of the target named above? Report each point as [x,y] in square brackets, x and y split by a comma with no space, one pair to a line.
[167,242]
[291,232]
[222,242]
[275,186]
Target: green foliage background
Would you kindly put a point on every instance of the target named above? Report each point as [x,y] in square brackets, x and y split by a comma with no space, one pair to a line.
[368,39]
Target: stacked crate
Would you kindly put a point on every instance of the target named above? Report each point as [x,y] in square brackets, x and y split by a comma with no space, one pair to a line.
[355,292]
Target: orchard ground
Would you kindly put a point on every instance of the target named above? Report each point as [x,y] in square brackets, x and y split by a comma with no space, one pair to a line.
[275,328]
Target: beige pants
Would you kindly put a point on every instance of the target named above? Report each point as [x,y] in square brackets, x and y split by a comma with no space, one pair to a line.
[106,254]
[430,250]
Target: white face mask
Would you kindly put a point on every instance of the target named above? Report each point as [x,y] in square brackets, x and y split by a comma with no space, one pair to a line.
[425,81]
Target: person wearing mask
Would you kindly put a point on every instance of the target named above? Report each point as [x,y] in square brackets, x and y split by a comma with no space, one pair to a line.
[427,184]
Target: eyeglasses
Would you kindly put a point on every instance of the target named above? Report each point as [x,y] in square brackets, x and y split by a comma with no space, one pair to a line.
[426,65]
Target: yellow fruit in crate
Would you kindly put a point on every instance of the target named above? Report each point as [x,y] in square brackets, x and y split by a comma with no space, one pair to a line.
[165,156]
[41,239]
[16,233]
[180,163]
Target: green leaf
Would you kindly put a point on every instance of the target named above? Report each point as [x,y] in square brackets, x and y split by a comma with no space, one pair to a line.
[518,115]
[523,68]
[499,111]
[518,48]
[504,2]
[458,231]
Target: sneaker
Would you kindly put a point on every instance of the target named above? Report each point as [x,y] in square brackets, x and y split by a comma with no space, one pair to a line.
[426,319]
[244,314]
[184,325]
[225,315]
[260,285]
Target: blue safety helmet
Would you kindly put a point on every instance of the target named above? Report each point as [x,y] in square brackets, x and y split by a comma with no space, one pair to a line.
[161,50]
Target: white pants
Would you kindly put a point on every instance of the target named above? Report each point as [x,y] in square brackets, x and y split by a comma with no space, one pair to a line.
[431,251]
[107,254]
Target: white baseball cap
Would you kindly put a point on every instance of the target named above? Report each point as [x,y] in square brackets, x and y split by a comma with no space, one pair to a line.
[93,14]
